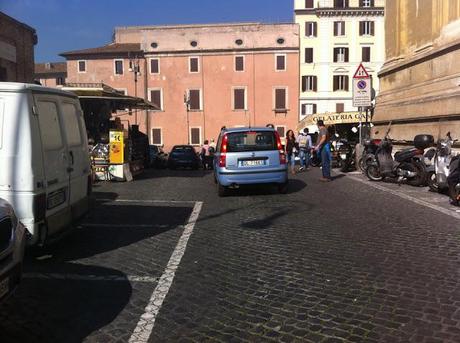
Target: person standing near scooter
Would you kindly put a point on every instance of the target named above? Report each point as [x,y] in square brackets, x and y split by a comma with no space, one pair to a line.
[323,146]
[305,145]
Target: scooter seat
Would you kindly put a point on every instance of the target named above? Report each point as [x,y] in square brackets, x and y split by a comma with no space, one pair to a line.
[406,154]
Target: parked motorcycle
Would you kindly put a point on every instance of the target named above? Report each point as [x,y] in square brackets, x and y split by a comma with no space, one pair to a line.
[453,180]
[368,155]
[347,154]
[439,169]
[407,164]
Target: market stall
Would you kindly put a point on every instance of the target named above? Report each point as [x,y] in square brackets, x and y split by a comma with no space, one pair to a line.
[118,150]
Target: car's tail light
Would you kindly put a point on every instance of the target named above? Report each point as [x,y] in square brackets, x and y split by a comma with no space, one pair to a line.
[280,148]
[39,207]
[223,152]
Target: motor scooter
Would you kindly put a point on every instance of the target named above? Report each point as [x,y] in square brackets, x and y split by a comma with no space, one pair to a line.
[407,165]
[348,156]
[439,170]
[370,148]
[453,180]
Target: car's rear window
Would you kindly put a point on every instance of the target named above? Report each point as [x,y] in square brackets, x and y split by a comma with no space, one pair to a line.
[251,141]
[183,150]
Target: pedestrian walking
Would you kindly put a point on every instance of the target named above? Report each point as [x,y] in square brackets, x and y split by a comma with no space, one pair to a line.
[205,155]
[305,146]
[323,147]
[291,149]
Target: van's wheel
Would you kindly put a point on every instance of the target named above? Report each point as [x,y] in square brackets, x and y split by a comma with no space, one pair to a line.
[221,190]
[283,187]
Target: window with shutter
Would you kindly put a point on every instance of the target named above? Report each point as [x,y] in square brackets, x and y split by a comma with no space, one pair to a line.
[154,66]
[280,98]
[239,99]
[118,67]
[309,83]
[340,55]
[341,83]
[339,28]
[155,98]
[311,29]
[239,63]
[156,136]
[280,62]
[304,83]
[341,3]
[366,54]
[194,65]
[281,131]
[195,101]
[82,66]
[308,55]
[309,3]
[195,136]
[339,107]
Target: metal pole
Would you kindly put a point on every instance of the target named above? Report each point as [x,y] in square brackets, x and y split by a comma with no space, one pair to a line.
[360,125]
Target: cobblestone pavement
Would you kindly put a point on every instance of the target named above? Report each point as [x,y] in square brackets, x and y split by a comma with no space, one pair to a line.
[336,262]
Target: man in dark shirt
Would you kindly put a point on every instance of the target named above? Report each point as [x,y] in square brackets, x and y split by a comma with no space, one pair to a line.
[323,146]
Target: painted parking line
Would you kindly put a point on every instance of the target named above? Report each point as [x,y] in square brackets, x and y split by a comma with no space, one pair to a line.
[166,202]
[405,196]
[90,277]
[146,323]
[130,226]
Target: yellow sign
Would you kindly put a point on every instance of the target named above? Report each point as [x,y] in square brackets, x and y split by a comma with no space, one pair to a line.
[117,147]
[334,118]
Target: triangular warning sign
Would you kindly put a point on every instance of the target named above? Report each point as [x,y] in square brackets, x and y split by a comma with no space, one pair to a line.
[361,73]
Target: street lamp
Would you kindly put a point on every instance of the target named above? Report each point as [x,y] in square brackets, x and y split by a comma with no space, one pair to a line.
[134,68]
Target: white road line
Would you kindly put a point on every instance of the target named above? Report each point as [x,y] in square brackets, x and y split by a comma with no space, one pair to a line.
[145,325]
[148,201]
[408,197]
[82,277]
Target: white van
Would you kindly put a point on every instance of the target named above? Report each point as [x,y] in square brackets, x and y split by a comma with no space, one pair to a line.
[44,161]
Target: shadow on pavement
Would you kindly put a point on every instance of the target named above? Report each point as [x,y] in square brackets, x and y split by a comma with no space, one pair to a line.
[64,310]
[295,185]
[182,173]
[112,226]
[264,223]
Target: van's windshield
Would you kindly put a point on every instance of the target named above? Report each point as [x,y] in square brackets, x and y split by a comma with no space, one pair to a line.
[251,141]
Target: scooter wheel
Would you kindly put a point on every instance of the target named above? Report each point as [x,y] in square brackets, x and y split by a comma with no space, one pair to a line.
[421,177]
[373,173]
[432,183]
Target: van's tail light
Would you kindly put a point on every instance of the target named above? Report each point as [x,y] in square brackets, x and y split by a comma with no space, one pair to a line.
[39,207]
[280,148]
[223,152]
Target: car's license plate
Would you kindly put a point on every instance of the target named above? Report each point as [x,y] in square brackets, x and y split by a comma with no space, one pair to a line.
[253,163]
[4,287]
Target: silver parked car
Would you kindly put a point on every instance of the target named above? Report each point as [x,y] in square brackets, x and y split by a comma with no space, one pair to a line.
[12,244]
[250,156]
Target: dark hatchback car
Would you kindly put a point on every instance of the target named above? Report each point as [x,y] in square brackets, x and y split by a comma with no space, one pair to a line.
[12,244]
[183,156]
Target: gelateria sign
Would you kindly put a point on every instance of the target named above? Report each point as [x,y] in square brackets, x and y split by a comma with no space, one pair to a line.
[337,118]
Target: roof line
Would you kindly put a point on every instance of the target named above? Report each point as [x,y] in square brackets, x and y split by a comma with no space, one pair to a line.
[186,26]
[18,22]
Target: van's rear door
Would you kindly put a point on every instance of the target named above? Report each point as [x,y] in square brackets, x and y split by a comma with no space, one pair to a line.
[75,133]
[55,161]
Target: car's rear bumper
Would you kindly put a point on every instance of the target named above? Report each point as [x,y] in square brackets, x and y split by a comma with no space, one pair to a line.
[228,178]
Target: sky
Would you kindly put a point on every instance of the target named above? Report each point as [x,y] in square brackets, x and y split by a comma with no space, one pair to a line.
[64,25]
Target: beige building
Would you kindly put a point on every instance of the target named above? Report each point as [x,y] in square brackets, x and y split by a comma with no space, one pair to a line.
[17,41]
[420,81]
[51,74]
[335,37]
[202,77]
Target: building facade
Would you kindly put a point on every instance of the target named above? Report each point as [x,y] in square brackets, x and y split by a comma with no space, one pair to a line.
[17,41]
[202,77]
[51,74]
[420,80]
[335,37]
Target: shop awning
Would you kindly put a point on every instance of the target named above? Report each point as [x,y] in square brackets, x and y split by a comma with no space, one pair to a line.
[332,119]
[99,92]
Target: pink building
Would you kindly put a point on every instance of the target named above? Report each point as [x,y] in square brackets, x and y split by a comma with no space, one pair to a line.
[51,74]
[202,77]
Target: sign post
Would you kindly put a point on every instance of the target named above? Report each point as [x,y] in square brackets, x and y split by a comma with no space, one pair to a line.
[362,94]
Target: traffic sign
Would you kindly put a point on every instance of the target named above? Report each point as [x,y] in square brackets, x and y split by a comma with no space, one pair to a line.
[362,92]
[361,73]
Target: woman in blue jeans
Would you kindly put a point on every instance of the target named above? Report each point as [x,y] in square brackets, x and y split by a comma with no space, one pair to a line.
[290,149]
